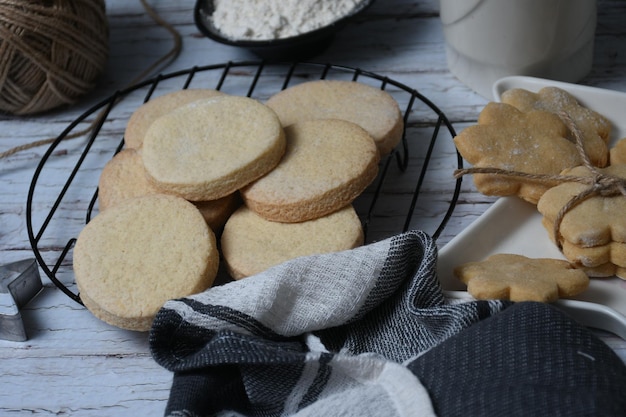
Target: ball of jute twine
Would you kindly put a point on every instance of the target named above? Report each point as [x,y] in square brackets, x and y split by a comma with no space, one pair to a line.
[599,183]
[159,64]
[51,52]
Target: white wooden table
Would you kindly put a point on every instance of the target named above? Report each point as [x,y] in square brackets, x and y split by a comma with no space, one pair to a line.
[73,364]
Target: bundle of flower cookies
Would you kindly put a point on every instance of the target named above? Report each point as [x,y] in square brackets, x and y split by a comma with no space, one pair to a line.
[551,151]
[273,181]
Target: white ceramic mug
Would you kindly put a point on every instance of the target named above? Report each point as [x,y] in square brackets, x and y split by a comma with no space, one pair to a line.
[490,39]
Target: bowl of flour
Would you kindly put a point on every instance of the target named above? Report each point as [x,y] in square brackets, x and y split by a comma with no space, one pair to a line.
[276,29]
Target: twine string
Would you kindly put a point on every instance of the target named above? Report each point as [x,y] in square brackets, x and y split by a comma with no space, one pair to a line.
[159,64]
[599,183]
[52,52]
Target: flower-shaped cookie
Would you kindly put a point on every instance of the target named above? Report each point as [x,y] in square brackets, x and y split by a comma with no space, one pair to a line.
[595,128]
[596,256]
[597,220]
[605,270]
[519,278]
[618,152]
[506,138]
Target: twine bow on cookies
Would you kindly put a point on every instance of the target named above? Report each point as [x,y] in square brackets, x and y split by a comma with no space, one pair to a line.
[600,183]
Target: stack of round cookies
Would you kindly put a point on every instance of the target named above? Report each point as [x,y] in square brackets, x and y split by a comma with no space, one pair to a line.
[336,132]
[150,244]
[192,158]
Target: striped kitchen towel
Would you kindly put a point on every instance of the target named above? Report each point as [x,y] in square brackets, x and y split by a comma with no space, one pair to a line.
[353,333]
[319,332]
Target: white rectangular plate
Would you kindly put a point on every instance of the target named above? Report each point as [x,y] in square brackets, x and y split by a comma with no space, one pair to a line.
[511,225]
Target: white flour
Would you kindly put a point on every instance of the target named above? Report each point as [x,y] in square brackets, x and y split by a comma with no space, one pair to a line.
[275,19]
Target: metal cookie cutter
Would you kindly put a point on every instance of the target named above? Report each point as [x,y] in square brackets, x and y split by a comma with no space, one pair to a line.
[19,283]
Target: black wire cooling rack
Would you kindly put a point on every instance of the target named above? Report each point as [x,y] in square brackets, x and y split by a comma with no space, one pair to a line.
[56,213]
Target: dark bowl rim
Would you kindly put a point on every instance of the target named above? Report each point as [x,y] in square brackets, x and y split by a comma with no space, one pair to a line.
[202,21]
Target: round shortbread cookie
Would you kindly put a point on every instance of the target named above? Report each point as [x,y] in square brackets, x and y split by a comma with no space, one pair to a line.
[142,118]
[210,148]
[130,259]
[217,212]
[373,109]
[251,244]
[327,164]
[123,177]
